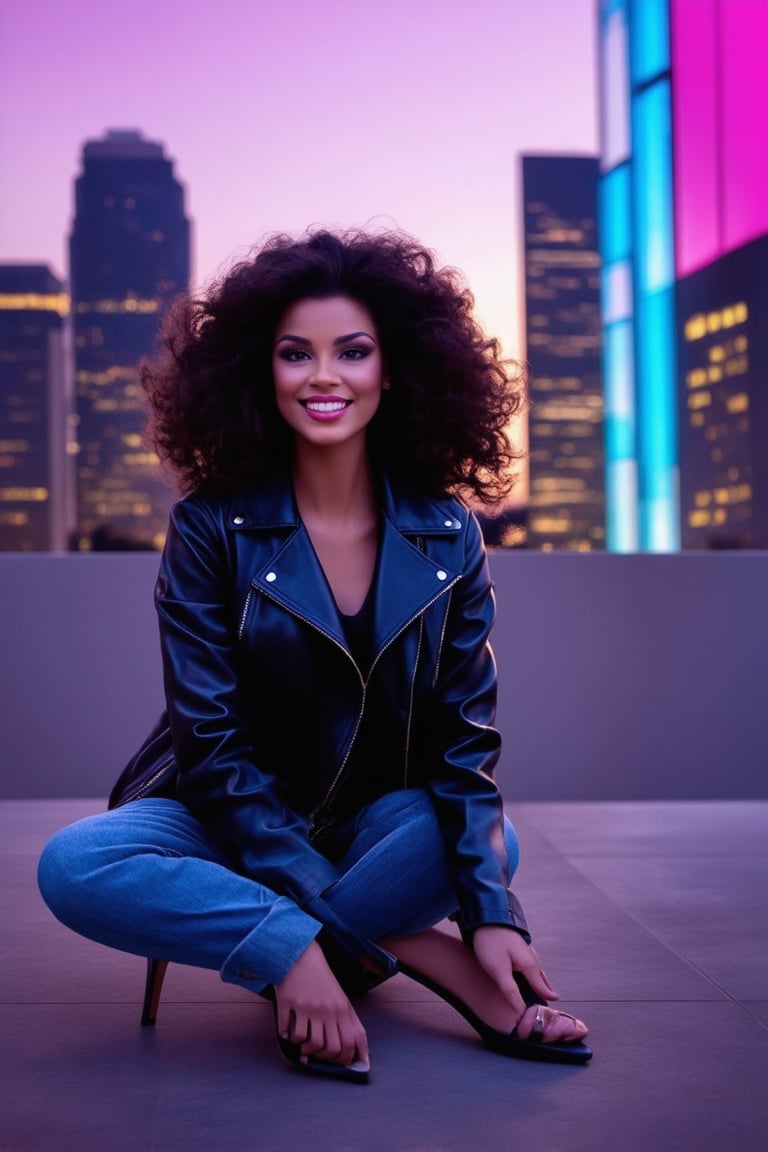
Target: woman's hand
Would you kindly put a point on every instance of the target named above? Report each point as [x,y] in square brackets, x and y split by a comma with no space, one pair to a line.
[502,952]
[314,1012]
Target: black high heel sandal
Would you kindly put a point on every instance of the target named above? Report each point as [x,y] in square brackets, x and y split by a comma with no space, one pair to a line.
[357,1073]
[509,1043]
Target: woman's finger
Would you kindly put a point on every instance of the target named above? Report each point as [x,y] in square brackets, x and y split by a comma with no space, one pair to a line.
[503,977]
[530,967]
[539,983]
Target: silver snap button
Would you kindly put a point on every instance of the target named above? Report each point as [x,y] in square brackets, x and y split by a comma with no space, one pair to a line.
[448,523]
[238,519]
[270,577]
[441,575]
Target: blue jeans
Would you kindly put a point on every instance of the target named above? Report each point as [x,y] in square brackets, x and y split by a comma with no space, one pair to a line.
[147,878]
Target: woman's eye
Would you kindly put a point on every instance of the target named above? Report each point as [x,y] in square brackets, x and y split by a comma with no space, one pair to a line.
[354,353]
[292,355]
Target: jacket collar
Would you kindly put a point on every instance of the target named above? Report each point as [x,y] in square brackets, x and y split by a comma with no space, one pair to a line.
[408,580]
[271,504]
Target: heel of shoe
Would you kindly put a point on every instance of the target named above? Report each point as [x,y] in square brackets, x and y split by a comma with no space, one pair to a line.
[156,970]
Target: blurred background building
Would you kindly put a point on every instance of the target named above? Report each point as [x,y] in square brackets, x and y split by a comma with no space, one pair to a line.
[129,257]
[566,507]
[683,224]
[723,356]
[35,482]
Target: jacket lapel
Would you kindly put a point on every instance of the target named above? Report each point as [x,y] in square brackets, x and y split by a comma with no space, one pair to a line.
[408,579]
[294,578]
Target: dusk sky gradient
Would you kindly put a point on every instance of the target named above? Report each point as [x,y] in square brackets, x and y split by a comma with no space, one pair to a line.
[406,113]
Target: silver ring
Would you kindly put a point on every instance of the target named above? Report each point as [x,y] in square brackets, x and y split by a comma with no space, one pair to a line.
[537,1032]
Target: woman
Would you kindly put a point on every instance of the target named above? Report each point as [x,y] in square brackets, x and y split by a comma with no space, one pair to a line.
[318,794]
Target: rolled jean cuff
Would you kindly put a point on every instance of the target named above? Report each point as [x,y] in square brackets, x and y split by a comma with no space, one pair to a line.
[270,950]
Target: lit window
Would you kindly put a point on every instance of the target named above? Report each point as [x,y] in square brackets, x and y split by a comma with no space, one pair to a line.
[696,327]
[698,519]
[699,400]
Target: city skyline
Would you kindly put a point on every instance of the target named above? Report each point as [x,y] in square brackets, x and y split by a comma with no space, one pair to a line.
[129,257]
[411,116]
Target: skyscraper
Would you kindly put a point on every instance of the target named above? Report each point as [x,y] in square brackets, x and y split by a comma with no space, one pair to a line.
[683,208]
[129,257]
[35,491]
[562,305]
[723,404]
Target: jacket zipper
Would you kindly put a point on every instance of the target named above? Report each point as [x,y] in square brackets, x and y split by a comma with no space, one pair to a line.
[147,784]
[244,614]
[410,702]
[440,645]
[316,830]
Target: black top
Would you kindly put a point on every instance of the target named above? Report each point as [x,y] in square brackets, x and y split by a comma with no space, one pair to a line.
[358,631]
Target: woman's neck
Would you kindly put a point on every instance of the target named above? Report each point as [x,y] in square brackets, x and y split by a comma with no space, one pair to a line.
[334,487]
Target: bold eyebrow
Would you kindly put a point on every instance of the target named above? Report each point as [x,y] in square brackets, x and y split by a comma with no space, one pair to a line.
[339,339]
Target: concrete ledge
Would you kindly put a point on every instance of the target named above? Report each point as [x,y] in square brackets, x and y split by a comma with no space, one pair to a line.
[621,677]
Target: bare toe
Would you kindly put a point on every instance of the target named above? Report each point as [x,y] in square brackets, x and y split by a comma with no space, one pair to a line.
[549,1026]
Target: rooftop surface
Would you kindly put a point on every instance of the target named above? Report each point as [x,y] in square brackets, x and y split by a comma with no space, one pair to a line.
[651,919]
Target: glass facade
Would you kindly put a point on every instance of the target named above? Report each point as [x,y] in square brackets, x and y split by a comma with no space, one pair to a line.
[720,73]
[637,246]
[684,191]
[129,255]
[35,492]
[724,401]
[566,507]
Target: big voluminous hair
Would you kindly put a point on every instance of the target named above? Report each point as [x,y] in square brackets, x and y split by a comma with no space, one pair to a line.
[443,425]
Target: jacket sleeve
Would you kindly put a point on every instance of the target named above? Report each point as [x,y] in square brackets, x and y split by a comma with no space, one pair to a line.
[466,799]
[219,777]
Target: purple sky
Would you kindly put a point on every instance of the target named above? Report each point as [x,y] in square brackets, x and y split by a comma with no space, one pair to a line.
[282,113]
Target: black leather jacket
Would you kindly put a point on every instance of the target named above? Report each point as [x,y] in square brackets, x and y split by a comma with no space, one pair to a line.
[264,700]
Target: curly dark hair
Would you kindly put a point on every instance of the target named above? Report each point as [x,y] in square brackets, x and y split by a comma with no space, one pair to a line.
[442,425]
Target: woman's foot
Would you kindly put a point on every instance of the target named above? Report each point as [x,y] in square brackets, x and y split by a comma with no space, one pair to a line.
[448,963]
[318,1029]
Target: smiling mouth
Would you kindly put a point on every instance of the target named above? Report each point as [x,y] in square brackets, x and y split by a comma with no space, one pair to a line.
[325,407]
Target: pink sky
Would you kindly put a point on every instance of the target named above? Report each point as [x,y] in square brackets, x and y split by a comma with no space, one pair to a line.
[282,113]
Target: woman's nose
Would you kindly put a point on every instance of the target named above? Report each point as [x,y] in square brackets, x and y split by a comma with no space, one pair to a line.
[325,372]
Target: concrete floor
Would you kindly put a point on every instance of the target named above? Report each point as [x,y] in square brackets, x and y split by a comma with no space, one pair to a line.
[651,918]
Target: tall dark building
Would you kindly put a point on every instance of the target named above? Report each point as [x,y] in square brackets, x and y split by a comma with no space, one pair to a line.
[562,307]
[34,486]
[129,257]
[723,362]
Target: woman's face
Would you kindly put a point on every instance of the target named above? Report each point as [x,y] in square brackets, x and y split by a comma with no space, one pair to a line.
[328,370]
